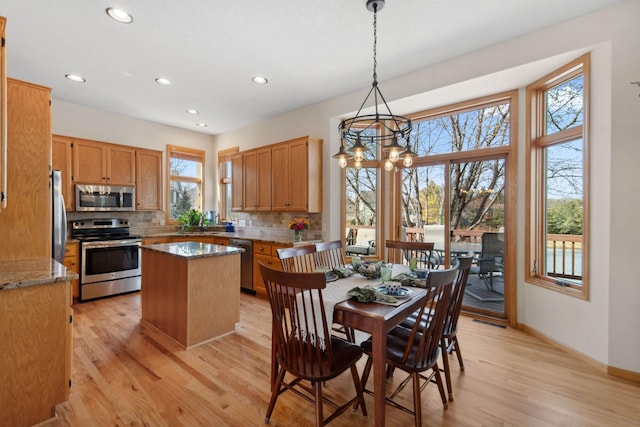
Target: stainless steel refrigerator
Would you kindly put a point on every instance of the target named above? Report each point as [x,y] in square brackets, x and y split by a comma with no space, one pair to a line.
[59,218]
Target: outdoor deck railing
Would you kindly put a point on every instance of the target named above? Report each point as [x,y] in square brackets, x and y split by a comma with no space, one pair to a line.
[564,256]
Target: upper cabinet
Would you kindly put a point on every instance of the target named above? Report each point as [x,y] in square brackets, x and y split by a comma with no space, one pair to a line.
[237,173]
[148,179]
[257,180]
[296,175]
[61,160]
[3,117]
[101,163]
[26,220]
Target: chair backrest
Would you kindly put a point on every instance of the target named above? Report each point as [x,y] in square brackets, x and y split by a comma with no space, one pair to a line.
[423,345]
[400,252]
[299,321]
[299,259]
[330,254]
[457,294]
[492,247]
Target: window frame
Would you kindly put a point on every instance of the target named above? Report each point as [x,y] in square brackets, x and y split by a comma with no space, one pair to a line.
[224,181]
[537,143]
[188,152]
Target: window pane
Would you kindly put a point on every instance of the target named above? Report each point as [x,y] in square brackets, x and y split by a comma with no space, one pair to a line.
[423,209]
[564,106]
[184,167]
[471,130]
[184,196]
[564,209]
[361,209]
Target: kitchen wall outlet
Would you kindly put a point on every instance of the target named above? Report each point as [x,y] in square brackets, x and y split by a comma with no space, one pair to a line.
[242,223]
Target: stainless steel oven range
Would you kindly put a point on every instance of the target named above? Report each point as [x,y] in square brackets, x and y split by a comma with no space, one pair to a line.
[110,257]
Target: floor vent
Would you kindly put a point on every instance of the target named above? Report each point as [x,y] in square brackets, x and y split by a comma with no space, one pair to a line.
[497,325]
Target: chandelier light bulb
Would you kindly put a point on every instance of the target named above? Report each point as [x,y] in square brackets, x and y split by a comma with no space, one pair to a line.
[357,164]
[388,165]
[407,161]
[342,161]
[394,155]
[358,155]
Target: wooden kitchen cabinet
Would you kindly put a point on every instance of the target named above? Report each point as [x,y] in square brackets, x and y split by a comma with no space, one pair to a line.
[61,160]
[3,114]
[297,180]
[35,361]
[26,220]
[267,254]
[237,173]
[97,162]
[72,262]
[156,240]
[257,180]
[148,180]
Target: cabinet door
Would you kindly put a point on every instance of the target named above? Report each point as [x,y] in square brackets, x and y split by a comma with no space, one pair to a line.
[26,221]
[3,116]
[236,182]
[298,176]
[148,180]
[61,160]
[280,178]
[89,162]
[121,165]
[250,181]
[264,179]
[72,262]
[258,282]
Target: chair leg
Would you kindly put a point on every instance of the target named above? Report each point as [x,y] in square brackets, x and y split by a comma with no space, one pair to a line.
[359,392]
[363,381]
[445,362]
[440,386]
[456,348]
[274,395]
[417,401]
[317,387]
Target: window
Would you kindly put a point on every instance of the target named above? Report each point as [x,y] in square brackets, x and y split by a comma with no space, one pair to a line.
[185,184]
[225,193]
[557,186]
[361,210]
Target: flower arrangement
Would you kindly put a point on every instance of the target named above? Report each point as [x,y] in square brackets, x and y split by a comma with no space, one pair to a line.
[297,225]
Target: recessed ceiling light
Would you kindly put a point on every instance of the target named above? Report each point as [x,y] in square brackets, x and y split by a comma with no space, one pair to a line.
[192,111]
[201,125]
[75,78]
[162,81]
[119,15]
[260,80]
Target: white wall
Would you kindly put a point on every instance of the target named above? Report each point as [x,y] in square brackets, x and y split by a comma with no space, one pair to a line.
[605,327]
[83,122]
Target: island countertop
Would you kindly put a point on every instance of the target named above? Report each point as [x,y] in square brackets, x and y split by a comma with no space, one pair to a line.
[31,272]
[193,249]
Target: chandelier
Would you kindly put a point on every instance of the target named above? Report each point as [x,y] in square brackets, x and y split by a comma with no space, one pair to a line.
[393,128]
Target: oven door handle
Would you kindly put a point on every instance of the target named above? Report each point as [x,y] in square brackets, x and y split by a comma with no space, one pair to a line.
[110,243]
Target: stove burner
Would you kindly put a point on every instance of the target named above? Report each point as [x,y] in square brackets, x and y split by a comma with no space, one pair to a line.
[102,229]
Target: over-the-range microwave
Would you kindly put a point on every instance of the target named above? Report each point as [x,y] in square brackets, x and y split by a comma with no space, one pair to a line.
[104,198]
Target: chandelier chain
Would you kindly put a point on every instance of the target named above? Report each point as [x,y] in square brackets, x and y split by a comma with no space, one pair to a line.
[375,42]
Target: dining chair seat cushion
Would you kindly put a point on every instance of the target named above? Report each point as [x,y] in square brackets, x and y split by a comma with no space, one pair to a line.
[397,340]
[345,355]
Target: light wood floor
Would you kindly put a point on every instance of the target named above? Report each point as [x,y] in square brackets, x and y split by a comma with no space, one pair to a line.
[126,375]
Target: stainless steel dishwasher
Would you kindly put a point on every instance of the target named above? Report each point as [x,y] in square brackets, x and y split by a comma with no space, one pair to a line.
[246,264]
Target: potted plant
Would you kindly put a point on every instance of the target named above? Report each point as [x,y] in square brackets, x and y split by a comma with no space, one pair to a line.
[193,220]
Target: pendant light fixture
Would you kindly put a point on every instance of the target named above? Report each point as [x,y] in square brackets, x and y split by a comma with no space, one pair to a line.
[353,130]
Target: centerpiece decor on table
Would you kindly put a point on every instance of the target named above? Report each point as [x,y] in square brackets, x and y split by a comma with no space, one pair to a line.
[298,225]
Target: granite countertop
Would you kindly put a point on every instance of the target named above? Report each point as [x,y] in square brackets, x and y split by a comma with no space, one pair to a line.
[30,272]
[284,237]
[193,249]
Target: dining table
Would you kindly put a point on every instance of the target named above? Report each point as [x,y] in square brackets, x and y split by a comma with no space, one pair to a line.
[374,318]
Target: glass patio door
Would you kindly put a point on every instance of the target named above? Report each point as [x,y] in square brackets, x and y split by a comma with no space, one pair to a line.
[460,207]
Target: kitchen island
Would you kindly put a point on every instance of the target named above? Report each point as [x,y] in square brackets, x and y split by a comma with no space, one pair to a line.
[191,290]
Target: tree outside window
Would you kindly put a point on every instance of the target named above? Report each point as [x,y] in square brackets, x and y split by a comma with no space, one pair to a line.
[185,171]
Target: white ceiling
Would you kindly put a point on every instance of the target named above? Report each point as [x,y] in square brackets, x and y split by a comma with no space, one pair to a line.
[309,50]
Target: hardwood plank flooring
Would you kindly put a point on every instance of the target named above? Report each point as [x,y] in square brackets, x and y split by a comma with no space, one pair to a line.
[127,375]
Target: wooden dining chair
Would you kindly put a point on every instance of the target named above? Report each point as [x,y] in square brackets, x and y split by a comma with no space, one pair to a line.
[449,340]
[330,254]
[416,351]
[299,259]
[400,252]
[303,344]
